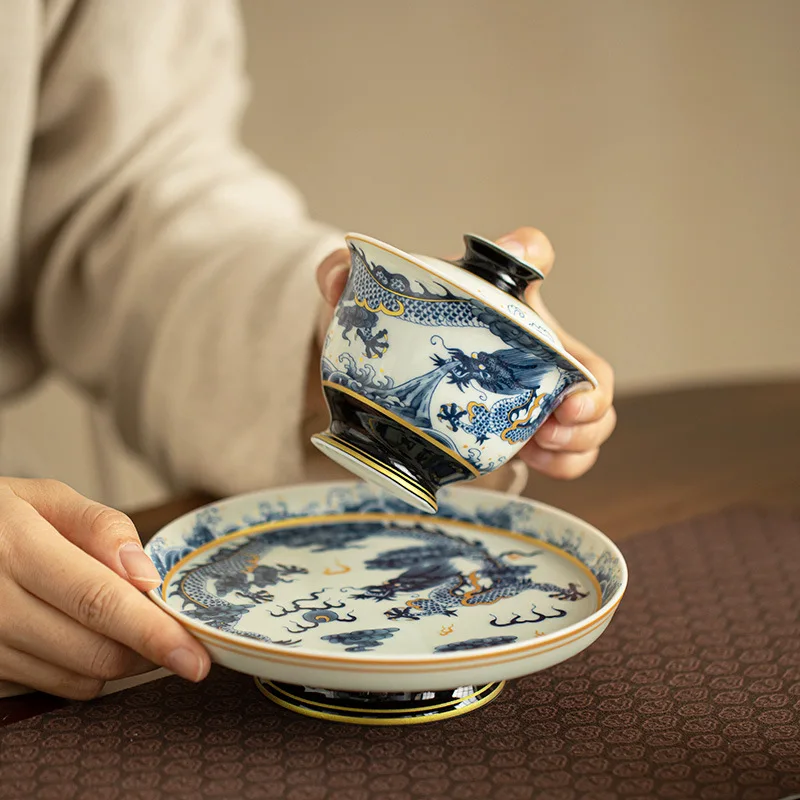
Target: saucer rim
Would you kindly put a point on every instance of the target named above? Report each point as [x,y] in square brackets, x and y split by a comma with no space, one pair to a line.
[420,659]
[484,656]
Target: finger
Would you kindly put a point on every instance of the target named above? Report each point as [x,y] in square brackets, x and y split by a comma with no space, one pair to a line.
[531,245]
[561,466]
[50,635]
[34,673]
[104,533]
[576,438]
[53,569]
[593,404]
[332,276]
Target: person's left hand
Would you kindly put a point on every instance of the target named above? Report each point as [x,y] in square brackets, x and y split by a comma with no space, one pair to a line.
[568,444]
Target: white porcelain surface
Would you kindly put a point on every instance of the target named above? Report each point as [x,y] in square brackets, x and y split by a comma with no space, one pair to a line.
[466,367]
[340,586]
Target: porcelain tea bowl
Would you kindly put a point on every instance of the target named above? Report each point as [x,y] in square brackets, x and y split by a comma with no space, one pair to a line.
[436,372]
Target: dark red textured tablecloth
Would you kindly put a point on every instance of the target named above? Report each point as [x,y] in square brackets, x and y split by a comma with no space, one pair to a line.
[693,692]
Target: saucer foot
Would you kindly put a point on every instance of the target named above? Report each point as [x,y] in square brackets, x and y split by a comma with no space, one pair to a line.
[367,708]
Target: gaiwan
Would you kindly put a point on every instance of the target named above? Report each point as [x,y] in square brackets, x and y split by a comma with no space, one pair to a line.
[436,372]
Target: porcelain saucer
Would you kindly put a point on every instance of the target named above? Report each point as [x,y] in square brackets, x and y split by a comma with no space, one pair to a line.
[346,604]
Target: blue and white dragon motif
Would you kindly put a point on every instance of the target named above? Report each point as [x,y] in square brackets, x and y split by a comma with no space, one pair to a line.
[211,592]
[515,371]
[432,566]
[510,515]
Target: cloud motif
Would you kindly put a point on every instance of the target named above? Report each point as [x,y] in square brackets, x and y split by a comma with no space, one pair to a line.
[361,641]
[474,644]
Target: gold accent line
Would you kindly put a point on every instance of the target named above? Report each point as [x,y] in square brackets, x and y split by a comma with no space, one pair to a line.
[418,262]
[452,702]
[188,594]
[368,721]
[400,421]
[395,475]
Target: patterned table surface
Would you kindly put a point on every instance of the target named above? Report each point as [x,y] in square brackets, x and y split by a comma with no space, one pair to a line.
[693,692]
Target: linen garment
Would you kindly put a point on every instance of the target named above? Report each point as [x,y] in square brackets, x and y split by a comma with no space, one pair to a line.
[144,253]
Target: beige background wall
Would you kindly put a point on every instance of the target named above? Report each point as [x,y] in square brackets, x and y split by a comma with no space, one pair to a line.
[657,143]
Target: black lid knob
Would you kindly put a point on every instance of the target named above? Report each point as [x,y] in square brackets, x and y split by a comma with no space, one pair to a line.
[489,261]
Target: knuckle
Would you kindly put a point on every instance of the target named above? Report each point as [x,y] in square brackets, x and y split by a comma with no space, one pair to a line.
[561,472]
[14,530]
[555,436]
[108,661]
[570,467]
[565,435]
[80,689]
[102,522]
[612,420]
[51,486]
[588,436]
[94,603]
[43,493]
[6,543]
[538,240]
[150,642]
[605,375]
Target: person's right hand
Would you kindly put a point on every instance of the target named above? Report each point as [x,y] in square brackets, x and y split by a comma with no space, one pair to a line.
[72,612]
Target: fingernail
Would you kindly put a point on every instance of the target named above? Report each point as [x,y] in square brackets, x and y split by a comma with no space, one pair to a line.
[535,457]
[334,276]
[185,663]
[555,437]
[586,407]
[511,245]
[138,566]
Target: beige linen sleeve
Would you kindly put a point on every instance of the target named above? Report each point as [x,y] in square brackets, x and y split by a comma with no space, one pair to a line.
[174,275]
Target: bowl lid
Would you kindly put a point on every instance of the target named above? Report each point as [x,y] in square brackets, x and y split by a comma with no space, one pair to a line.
[477,286]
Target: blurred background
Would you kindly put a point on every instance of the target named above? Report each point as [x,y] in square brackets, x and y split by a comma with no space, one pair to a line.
[657,144]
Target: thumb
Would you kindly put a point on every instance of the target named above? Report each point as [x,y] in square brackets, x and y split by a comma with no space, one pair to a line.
[332,276]
[104,533]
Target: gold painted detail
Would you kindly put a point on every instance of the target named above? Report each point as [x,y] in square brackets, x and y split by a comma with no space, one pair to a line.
[381,308]
[523,420]
[472,407]
[340,569]
[252,563]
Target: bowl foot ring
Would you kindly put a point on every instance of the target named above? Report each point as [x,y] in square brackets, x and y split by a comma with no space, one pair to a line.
[372,708]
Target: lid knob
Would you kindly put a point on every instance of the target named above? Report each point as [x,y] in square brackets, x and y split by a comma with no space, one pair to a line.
[491,262]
